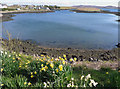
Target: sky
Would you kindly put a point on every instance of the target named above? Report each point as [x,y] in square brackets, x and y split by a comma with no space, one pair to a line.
[64,2]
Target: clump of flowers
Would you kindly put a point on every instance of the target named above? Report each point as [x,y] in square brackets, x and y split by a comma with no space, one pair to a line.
[42,71]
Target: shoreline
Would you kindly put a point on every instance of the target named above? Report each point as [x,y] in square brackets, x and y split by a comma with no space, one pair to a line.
[6,15]
[29,48]
[106,12]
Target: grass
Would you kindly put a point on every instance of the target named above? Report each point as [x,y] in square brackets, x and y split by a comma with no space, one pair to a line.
[20,70]
[8,9]
[88,9]
[66,8]
[105,76]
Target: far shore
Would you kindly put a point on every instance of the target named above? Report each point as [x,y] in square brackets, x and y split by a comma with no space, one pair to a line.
[6,15]
[25,11]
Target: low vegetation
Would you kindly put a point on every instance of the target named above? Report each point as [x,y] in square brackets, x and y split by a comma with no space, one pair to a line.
[8,9]
[20,70]
[88,9]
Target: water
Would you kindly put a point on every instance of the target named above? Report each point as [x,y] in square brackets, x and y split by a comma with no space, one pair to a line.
[66,29]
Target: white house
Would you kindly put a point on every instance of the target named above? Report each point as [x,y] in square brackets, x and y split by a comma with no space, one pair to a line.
[18,9]
[3,6]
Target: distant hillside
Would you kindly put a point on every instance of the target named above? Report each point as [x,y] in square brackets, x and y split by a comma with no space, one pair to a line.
[91,6]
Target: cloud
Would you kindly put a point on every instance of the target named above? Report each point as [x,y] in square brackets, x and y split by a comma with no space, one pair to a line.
[63,2]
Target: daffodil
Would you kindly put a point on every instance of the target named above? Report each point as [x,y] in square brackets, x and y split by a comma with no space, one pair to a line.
[64,55]
[25,83]
[82,77]
[60,67]
[42,55]
[52,59]
[1,69]
[46,67]
[71,59]
[26,63]
[19,55]
[35,72]
[43,69]
[47,63]
[56,59]
[31,76]
[2,85]
[13,61]
[75,59]
[18,58]
[59,57]
[42,65]
[51,65]
[48,56]
[62,59]
[20,66]
[65,58]
[63,62]
[5,53]
[107,73]
[13,58]
[57,70]
[29,83]
[31,73]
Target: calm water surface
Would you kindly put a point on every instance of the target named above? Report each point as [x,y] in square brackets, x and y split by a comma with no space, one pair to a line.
[66,29]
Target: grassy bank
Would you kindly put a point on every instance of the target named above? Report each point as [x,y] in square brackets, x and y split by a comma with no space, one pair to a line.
[20,70]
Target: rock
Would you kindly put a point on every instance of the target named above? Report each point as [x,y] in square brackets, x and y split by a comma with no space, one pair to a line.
[68,48]
[43,53]
[91,59]
[118,45]
[81,58]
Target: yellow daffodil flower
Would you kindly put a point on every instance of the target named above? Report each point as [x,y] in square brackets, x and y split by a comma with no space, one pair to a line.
[71,60]
[75,59]
[1,69]
[64,55]
[60,67]
[46,67]
[29,83]
[42,55]
[57,70]
[35,72]
[107,73]
[25,83]
[13,61]
[26,66]
[31,76]
[42,65]
[2,85]
[19,55]
[63,62]
[51,65]
[31,73]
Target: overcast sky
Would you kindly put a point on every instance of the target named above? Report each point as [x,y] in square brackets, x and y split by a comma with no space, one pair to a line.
[64,2]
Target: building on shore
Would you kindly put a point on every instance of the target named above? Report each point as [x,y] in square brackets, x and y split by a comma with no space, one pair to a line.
[3,5]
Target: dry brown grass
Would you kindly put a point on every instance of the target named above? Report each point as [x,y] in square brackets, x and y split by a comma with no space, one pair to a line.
[65,8]
[97,65]
[88,9]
